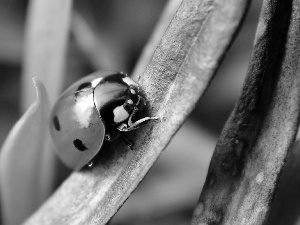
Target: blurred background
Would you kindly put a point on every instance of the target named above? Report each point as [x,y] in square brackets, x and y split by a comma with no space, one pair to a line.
[120,30]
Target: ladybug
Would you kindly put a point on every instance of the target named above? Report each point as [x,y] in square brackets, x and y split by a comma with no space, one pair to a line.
[96,108]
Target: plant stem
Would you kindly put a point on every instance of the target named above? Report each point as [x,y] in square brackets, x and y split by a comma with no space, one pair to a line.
[250,154]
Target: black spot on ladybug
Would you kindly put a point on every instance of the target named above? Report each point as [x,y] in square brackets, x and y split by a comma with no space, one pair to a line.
[56,123]
[79,145]
[85,85]
[82,87]
[115,78]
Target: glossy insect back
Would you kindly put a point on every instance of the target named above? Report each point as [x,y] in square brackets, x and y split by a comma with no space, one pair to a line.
[75,122]
[91,111]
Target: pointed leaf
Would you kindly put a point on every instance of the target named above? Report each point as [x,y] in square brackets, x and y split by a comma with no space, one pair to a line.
[46,39]
[20,161]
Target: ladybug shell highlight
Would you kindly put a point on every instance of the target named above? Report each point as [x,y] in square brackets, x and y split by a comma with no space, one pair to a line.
[81,115]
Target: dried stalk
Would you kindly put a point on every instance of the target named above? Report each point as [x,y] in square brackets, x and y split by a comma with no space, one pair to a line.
[181,68]
[245,168]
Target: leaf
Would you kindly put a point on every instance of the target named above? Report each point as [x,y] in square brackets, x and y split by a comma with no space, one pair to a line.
[251,152]
[47,32]
[46,39]
[20,161]
[285,209]
[172,185]
[180,70]
[154,40]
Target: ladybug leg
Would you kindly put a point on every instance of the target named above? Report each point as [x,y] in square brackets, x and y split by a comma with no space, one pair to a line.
[134,125]
[111,134]
[107,137]
[90,164]
[138,123]
[126,141]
